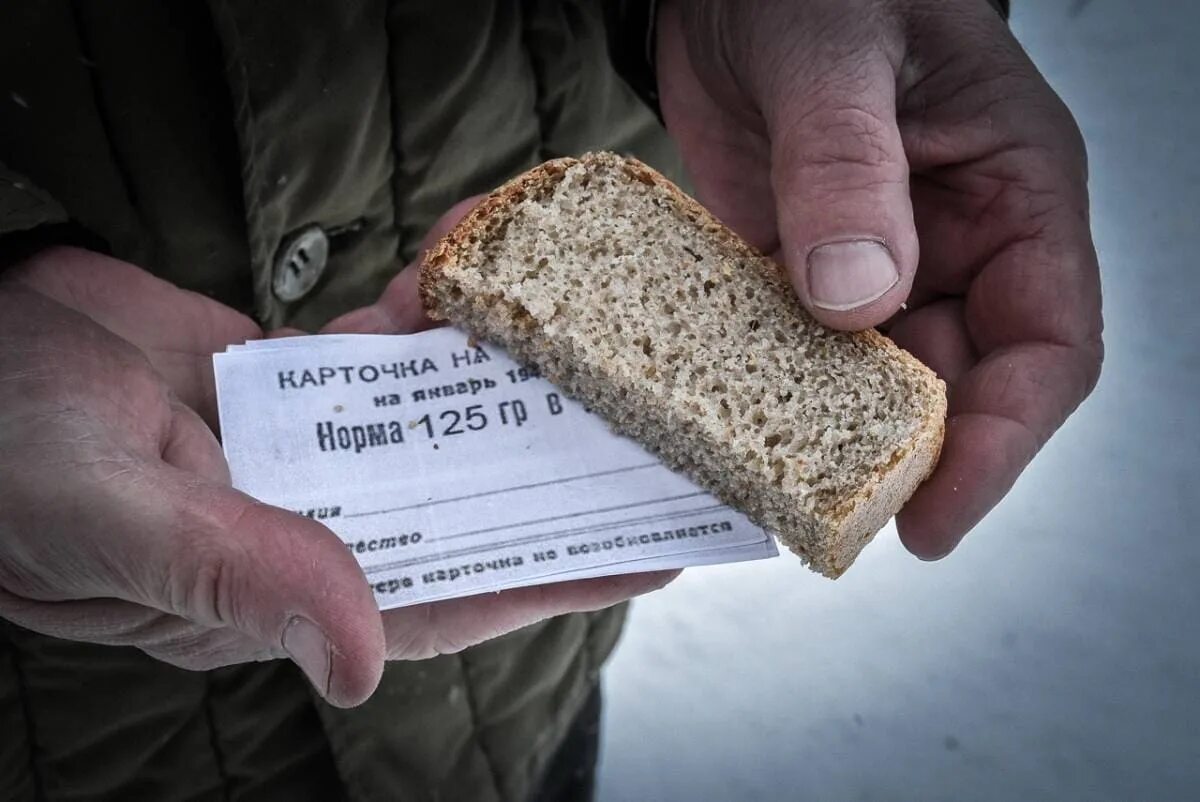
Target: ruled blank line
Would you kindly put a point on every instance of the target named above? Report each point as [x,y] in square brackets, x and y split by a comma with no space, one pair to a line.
[503,490]
[563,517]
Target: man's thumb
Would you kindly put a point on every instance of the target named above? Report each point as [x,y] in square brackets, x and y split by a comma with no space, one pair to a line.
[220,559]
[840,179]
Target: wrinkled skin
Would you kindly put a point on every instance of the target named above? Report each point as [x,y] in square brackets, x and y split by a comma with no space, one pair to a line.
[916,130]
[920,126]
[117,521]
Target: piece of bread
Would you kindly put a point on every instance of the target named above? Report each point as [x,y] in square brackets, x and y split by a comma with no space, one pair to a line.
[636,301]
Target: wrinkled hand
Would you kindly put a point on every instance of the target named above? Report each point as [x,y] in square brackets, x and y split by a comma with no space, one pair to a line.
[177,331]
[118,524]
[905,151]
[117,521]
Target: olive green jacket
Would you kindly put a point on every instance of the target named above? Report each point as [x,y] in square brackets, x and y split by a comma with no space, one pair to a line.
[196,139]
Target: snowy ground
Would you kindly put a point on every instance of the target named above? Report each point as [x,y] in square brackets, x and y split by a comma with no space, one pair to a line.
[1056,656]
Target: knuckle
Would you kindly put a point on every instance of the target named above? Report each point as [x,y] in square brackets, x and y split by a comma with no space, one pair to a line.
[452,640]
[843,148]
[1073,145]
[419,633]
[849,135]
[205,650]
[202,582]
[1020,187]
[220,574]
[1093,364]
[199,585]
[414,644]
[194,647]
[1034,205]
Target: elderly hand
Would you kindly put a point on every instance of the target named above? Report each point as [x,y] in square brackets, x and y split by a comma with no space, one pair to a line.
[118,524]
[912,170]
[117,521]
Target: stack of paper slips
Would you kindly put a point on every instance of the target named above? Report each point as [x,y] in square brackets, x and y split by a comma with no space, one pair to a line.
[448,469]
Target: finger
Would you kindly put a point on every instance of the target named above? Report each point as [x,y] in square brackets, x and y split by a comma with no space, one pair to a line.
[282,579]
[840,178]
[1001,413]
[727,157]
[112,622]
[424,631]
[937,335]
[163,538]
[981,459]
[399,309]
[284,332]
[446,223]
[1033,312]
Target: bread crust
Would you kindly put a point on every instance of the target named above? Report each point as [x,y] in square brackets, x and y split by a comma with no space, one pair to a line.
[858,518]
[493,212]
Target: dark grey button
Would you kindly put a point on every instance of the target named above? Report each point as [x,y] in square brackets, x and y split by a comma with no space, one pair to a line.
[299,264]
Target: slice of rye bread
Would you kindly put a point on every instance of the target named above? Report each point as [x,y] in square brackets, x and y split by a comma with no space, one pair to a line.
[635,300]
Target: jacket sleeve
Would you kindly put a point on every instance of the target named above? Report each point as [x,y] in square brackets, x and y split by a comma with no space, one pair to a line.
[31,219]
[23,205]
[631,26]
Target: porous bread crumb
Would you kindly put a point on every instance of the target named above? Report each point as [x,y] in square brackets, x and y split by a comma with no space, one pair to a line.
[634,300]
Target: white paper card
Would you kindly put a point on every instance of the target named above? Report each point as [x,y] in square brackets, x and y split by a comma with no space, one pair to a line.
[448,469]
